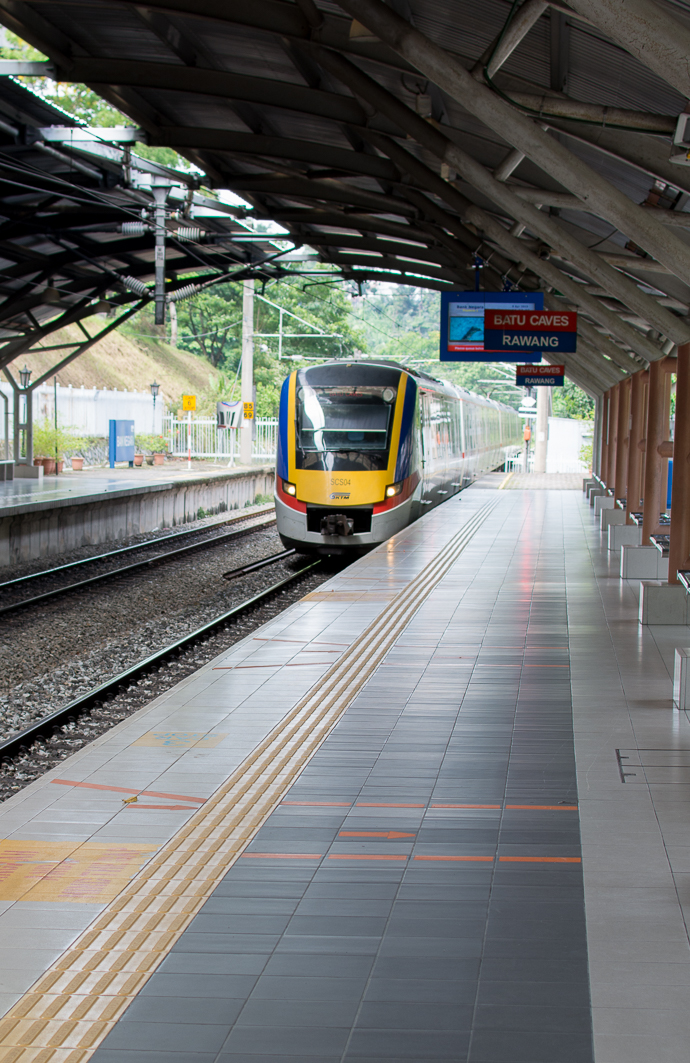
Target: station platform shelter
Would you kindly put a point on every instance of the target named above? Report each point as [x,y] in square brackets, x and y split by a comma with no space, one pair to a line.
[436,810]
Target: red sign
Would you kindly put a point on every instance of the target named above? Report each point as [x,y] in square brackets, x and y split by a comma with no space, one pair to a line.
[540,370]
[532,320]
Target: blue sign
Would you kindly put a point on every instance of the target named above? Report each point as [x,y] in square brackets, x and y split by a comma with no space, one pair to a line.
[527,343]
[462,325]
[121,442]
[530,380]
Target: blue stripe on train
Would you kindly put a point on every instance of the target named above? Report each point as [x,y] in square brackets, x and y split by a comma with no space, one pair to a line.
[282,449]
[406,446]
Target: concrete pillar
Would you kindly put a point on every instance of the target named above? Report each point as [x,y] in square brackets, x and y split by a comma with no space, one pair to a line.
[679,550]
[655,466]
[247,430]
[610,477]
[621,482]
[605,421]
[542,439]
[637,430]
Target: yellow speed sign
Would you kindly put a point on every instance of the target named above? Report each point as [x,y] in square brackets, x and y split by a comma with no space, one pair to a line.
[248,411]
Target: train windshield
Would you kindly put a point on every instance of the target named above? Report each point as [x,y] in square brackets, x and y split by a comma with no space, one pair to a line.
[340,419]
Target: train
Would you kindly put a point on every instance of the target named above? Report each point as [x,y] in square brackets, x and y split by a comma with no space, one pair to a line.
[365,448]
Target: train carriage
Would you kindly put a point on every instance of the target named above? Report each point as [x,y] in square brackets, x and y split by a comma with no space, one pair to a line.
[365,448]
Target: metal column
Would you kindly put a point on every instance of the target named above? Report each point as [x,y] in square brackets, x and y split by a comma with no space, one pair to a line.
[657,433]
[613,436]
[637,430]
[247,428]
[542,429]
[679,551]
[620,488]
[605,423]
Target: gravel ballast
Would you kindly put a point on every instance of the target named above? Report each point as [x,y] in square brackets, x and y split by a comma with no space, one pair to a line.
[56,652]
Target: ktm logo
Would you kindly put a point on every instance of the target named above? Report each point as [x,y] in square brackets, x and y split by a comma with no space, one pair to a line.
[340,494]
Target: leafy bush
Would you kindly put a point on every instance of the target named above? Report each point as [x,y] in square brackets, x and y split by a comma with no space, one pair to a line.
[48,440]
[150,444]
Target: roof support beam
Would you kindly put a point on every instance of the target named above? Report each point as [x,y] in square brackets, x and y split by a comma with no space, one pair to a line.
[562,242]
[646,154]
[648,31]
[523,133]
[516,249]
[275,147]
[581,371]
[483,180]
[174,77]
[502,49]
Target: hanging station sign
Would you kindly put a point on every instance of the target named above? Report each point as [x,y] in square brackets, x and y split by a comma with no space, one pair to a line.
[536,376]
[529,331]
[465,317]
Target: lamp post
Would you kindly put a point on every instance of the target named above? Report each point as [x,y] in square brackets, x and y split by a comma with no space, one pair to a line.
[23,420]
[155,387]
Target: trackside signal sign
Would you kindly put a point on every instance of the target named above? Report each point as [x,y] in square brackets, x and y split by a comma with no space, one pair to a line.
[531,331]
[545,376]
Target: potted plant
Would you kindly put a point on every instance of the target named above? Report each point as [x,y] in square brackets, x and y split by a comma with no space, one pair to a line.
[138,460]
[52,443]
[155,447]
[77,463]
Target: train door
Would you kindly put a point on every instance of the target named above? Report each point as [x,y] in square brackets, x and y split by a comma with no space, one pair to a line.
[427,448]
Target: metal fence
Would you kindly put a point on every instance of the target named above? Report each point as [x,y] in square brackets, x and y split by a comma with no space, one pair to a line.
[206,440]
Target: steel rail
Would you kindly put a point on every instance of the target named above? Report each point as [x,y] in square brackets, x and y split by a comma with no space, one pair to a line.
[130,549]
[137,565]
[82,705]
[244,569]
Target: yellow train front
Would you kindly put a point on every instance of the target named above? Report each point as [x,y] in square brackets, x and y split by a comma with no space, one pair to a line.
[365,448]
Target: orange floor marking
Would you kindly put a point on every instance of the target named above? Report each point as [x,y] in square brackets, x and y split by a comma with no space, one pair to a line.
[483,859]
[374,834]
[540,859]
[282,856]
[127,790]
[367,856]
[86,872]
[375,804]
[548,808]
[464,806]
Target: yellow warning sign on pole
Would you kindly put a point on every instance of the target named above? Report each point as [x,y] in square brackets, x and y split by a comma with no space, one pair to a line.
[188,403]
[248,411]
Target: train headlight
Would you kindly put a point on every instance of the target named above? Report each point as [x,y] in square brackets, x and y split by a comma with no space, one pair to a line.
[289,488]
[394,489]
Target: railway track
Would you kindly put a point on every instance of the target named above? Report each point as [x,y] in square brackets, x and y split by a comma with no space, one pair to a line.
[249,524]
[52,724]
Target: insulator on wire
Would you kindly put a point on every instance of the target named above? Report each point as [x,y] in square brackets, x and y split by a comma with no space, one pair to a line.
[189,233]
[183,293]
[135,285]
[134,228]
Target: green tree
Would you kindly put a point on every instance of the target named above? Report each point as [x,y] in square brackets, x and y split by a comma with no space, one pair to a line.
[571,401]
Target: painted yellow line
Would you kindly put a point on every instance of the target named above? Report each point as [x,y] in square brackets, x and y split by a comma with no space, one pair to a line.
[504,483]
[70,1009]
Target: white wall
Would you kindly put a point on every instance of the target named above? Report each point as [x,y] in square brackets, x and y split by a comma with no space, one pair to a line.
[88,410]
[566,437]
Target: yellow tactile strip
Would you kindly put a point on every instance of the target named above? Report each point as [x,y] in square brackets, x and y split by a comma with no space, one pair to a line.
[69,1011]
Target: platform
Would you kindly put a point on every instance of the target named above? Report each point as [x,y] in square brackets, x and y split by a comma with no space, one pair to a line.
[356,834]
[61,513]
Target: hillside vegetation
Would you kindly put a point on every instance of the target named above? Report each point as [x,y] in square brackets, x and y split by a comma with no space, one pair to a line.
[124,362]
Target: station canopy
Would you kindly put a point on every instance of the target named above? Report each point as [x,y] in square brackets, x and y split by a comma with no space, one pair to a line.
[543,145]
